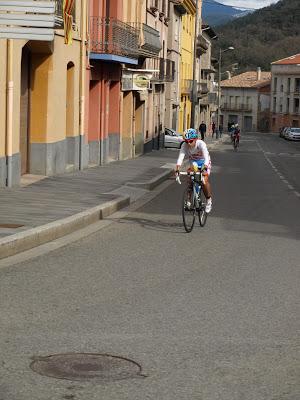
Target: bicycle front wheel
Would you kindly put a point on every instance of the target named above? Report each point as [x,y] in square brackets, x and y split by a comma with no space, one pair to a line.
[201,212]
[188,209]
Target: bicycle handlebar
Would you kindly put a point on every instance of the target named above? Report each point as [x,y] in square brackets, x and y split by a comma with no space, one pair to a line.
[189,173]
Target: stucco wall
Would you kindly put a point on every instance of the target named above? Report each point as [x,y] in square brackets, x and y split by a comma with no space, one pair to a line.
[2,97]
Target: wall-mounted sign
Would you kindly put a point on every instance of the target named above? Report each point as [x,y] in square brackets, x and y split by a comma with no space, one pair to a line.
[139,80]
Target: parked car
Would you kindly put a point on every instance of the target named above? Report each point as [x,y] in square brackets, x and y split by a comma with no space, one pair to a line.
[292,134]
[172,138]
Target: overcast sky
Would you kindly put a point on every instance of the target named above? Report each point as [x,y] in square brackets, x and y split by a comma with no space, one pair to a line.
[248,3]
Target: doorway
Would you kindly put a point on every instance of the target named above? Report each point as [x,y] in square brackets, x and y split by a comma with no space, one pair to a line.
[248,124]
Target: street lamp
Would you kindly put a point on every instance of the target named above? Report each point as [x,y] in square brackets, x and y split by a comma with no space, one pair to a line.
[219,85]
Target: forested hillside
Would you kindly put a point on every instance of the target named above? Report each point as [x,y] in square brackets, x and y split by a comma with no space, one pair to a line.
[262,37]
[215,13]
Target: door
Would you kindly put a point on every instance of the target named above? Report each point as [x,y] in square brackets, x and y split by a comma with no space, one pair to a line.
[24,111]
[248,124]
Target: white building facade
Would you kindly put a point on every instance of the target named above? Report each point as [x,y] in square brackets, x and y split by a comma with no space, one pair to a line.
[243,100]
[285,101]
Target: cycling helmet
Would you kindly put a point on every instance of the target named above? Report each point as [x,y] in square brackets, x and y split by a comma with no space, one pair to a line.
[190,134]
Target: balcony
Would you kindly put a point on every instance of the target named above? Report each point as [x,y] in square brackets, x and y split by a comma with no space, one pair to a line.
[202,88]
[186,86]
[166,70]
[149,40]
[236,107]
[201,46]
[110,36]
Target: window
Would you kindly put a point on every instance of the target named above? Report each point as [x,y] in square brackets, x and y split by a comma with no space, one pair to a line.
[289,85]
[281,88]
[296,106]
[275,85]
[297,85]
[288,105]
[274,104]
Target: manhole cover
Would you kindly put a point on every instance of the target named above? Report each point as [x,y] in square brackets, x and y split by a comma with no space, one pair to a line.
[11,226]
[86,366]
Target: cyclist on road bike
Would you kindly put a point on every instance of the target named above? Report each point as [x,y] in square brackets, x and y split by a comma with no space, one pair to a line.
[236,133]
[196,150]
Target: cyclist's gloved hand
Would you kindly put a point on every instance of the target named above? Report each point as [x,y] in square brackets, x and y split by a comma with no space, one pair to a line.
[204,168]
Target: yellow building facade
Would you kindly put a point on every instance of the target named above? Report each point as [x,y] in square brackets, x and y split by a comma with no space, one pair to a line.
[186,64]
[40,96]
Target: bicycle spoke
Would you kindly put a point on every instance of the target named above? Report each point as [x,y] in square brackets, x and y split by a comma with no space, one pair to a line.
[188,209]
[201,212]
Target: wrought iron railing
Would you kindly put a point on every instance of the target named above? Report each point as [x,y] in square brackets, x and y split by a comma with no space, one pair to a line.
[186,86]
[202,88]
[149,39]
[165,68]
[111,36]
[236,107]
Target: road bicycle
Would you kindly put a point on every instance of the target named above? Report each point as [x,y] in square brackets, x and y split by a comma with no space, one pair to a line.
[235,142]
[193,200]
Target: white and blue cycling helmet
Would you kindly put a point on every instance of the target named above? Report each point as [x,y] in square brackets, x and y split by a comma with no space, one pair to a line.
[190,134]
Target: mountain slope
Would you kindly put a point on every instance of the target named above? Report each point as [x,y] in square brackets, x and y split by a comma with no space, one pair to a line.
[215,13]
[262,37]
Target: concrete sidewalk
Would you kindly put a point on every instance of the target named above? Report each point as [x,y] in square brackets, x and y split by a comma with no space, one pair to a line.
[56,206]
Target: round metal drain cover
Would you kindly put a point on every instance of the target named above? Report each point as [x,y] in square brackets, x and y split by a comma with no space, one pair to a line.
[86,366]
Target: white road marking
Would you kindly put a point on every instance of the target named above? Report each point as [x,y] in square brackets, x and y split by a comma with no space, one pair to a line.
[281,177]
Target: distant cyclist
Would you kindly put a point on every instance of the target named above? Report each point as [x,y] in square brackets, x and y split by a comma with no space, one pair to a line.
[196,151]
[236,133]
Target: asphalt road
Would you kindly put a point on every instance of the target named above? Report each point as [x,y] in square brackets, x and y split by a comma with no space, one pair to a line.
[211,315]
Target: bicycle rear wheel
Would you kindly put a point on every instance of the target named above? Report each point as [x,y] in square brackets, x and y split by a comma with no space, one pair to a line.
[188,209]
[201,212]
[235,144]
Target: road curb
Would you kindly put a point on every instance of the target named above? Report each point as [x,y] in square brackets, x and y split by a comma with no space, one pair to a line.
[152,183]
[21,241]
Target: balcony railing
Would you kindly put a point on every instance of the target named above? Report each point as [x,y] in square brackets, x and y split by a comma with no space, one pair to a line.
[202,88]
[202,45]
[236,107]
[149,40]
[186,86]
[166,70]
[111,36]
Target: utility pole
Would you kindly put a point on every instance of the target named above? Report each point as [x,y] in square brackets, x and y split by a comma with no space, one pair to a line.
[219,87]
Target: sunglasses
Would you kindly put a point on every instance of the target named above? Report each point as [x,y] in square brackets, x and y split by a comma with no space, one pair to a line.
[189,140]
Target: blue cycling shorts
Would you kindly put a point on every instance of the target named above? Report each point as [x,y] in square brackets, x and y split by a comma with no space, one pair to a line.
[200,163]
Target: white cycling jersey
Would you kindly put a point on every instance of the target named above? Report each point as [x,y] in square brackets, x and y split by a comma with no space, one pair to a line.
[196,153]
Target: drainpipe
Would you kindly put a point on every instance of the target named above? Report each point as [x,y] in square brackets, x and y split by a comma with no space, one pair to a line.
[9,111]
[82,80]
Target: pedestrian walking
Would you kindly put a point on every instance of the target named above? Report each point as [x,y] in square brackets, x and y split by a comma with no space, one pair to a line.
[202,129]
[213,129]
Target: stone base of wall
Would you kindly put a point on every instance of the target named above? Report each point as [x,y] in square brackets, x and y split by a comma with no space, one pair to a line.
[55,158]
[114,146]
[99,152]
[14,169]
[73,143]
[139,143]
[48,158]
[3,171]
[281,120]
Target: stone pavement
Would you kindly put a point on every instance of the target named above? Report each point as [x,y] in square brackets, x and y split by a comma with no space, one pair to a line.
[58,205]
